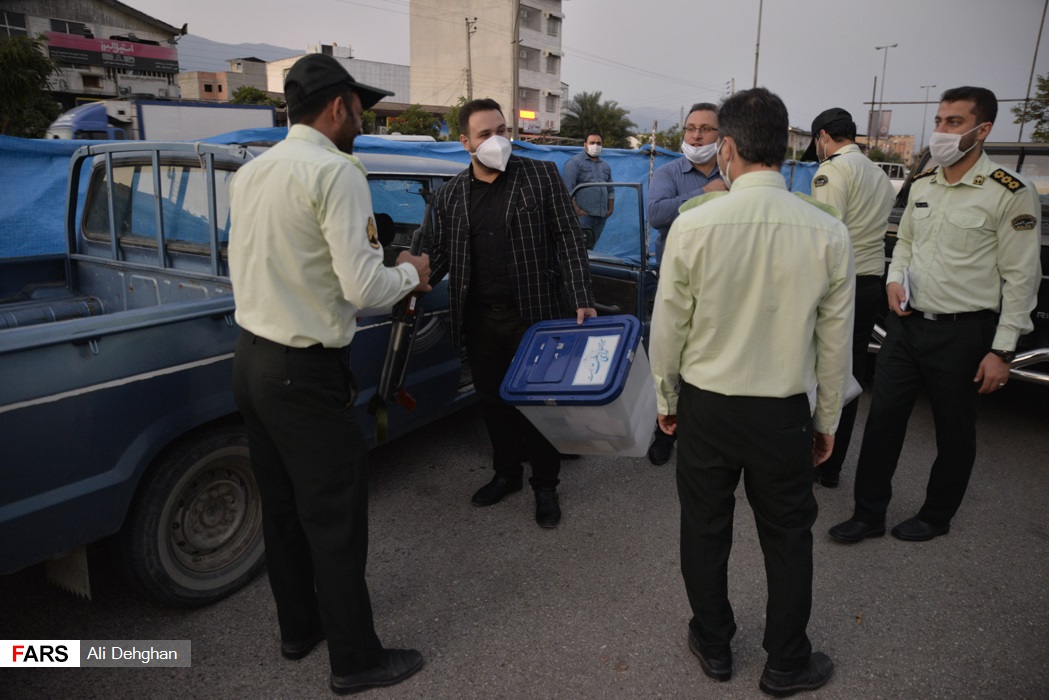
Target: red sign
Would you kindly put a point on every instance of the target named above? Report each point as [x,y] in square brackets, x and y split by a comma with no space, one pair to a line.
[112,53]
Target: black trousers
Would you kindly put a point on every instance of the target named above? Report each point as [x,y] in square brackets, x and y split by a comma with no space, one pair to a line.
[942,357]
[492,338]
[869,300]
[769,442]
[310,462]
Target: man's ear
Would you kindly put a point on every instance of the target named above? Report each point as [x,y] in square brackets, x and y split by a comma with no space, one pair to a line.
[465,142]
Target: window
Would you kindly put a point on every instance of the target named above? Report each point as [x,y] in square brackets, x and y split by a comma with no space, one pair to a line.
[528,99]
[553,26]
[92,82]
[12,24]
[66,27]
[531,18]
[528,59]
[552,105]
[553,63]
[207,88]
[220,88]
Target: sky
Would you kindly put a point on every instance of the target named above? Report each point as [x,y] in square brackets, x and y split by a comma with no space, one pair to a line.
[657,58]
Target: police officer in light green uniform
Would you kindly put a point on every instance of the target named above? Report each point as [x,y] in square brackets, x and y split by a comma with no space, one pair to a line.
[968,255]
[862,192]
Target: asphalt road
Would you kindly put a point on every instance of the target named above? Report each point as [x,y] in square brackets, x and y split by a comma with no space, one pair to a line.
[596,608]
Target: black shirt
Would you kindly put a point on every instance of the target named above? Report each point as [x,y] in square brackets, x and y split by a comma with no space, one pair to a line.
[489,247]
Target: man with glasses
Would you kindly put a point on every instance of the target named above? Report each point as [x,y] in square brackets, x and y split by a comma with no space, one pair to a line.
[672,185]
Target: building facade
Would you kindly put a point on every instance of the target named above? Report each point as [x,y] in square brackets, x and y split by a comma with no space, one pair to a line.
[220,86]
[104,49]
[461,48]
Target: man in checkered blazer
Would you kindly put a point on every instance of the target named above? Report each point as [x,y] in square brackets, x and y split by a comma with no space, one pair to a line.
[508,238]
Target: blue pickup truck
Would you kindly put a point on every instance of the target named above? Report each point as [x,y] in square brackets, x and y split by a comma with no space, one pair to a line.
[116,401]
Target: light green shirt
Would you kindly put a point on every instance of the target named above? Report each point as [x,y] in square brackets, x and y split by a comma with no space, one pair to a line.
[973,245]
[755,298]
[304,254]
[863,193]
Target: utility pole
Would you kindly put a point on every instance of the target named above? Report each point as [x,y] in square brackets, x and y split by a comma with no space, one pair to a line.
[471,27]
[1023,117]
[925,114]
[870,116]
[881,97]
[516,43]
[761,6]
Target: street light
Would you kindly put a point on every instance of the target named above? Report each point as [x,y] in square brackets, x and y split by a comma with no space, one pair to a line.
[881,97]
[925,113]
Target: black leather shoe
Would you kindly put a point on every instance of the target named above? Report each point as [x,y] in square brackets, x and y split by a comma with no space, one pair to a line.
[659,451]
[827,481]
[297,650]
[547,508]
[495,490]
[397,665]
[852,531]
[915,530]
[783,684]
[717,667]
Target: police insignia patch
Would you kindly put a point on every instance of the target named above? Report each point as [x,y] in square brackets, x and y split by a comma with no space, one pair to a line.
[1024,222]
[373,234]
[820,181]
[978,180]
[1006,180]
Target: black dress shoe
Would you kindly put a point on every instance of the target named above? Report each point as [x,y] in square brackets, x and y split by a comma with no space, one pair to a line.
[717,667]
[494,491]
[783,684]
[297,650]
[915,530]
[396,665]
[827,481]
[659,451]
[852,531]
[547,508]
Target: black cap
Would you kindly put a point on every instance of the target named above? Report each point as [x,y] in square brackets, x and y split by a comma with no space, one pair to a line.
[819,123]
[316,71]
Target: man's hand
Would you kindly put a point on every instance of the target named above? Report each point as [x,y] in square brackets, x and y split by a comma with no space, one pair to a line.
[668,424]
[896,294]
[992,374]
[611,207]
[715,186]
[578,209]
[584,312]
[822,446]
[421,263]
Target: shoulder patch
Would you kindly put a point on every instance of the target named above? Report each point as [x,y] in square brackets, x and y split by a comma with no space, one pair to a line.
[373,234]
[924,173]
[1007,181]
[1024,222]
[819,181]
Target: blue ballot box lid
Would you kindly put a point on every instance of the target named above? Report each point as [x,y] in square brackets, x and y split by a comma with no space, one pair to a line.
[563,363]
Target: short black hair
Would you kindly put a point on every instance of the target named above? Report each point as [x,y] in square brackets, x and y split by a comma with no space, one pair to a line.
[592,132]
[304,109]
[481,105]
[841,129]
[986,104]
[757,120]
[702,107]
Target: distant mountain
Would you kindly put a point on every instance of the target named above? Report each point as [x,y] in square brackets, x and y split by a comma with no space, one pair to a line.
[197,53]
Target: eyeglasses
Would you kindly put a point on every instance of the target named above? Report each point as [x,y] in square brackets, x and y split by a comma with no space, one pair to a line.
[704,130]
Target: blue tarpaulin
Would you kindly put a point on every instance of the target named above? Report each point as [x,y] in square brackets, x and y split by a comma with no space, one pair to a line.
[34,173]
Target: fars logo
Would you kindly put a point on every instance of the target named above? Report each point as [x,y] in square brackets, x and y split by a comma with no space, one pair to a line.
[39,653]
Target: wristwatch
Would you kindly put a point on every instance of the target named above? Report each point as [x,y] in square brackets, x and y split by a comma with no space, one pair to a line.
[1006,355]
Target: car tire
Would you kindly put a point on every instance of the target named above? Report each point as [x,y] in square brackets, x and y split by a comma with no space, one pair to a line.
[194,533]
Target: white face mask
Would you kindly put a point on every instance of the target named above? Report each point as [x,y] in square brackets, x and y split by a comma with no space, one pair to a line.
[699,154]
[945,149]
[818,159]
[724,171]
[494,152]
[593,150]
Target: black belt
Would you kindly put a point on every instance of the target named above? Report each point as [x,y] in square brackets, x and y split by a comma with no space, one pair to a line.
[964,316]
[316,349]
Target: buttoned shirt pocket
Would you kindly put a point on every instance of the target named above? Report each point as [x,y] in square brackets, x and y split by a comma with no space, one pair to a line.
[966,230]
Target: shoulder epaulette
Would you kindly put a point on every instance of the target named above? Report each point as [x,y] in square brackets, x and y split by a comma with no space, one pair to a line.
[1007,181]
[924,173]
[829,208]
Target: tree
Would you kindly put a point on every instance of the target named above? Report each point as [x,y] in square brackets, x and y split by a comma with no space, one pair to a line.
[368,122]
[452,120]
[669,139]
[26,105]
[1037,111]
[879,156]
[415,121]
[585,111]
[251,95]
